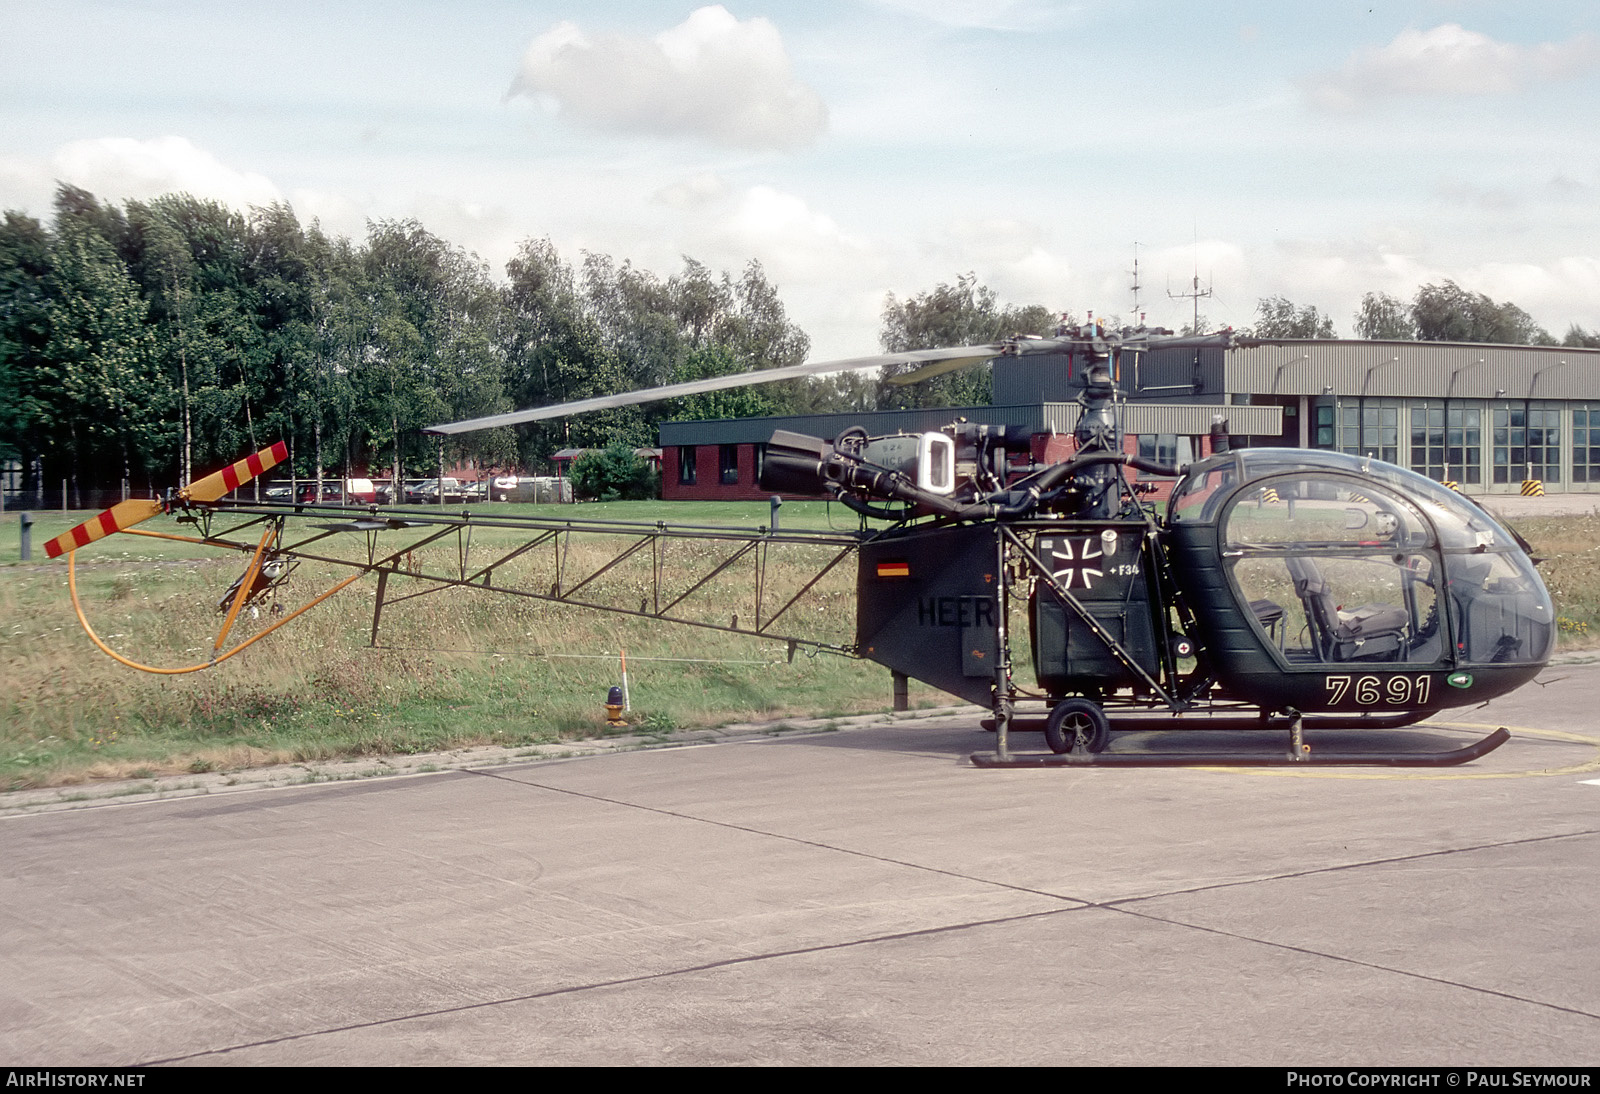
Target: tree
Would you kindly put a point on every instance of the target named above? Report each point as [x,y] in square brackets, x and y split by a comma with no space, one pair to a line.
[963,314]
[433,351]
[1279,318]
[1449,313]
[756,328]
[25,270]
[109,405]
[1384,318]
[611,328]
[754,401]
[556,352]
[192,260]
[1578,337]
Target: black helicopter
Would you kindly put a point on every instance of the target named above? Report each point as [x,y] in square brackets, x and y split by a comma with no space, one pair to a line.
[1279,581]
[1281,588]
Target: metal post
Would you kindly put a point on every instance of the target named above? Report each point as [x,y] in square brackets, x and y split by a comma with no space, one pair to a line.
[377,606]
[777,501]
[27,535]
[1002,661]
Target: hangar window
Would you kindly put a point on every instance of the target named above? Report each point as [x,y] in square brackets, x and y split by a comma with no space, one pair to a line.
[1167,448]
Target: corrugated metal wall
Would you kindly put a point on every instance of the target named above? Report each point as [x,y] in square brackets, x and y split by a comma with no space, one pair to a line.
[1414,369]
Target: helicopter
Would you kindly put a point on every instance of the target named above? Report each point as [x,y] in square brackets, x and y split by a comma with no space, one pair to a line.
[1281,589]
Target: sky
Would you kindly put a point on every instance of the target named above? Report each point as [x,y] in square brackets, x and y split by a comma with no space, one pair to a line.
[858,148]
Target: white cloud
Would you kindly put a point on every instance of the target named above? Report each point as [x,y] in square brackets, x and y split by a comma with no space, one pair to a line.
[984,14]
[1489,199]
[828,278]
[713,77]
[120,168]
[1556,293]
[1449,60]
[337,214]
[1014,257]
[694,192]
[991,240]
[786,233]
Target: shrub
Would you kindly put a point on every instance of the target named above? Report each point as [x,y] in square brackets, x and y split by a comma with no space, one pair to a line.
[614,473]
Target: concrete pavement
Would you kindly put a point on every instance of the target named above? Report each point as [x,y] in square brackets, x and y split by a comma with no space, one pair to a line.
[855,896]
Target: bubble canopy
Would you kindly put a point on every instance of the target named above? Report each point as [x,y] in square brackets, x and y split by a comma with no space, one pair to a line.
[1337,559]
[1459,522]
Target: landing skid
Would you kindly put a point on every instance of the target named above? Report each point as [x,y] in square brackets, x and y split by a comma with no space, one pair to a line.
[1298,755]
[1123,723]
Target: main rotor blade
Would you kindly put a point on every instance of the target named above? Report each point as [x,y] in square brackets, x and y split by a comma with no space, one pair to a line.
[125,514]
[962,354]
[937,368]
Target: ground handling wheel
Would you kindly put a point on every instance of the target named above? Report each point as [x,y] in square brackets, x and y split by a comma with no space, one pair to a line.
[1077,725]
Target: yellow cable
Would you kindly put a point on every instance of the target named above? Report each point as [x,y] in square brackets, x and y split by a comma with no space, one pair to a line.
[72,586]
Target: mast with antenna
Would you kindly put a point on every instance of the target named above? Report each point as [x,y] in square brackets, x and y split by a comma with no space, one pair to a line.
[1136,286]
[1196,293]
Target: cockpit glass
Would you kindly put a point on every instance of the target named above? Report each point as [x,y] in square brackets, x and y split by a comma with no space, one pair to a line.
[1197,496]
[1503,612]
[1324,509]
[1326,607]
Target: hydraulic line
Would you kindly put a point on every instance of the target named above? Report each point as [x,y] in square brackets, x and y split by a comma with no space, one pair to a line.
[72,586]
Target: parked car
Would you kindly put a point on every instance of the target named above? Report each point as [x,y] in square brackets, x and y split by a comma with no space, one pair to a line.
[524,488]
[434,491]
[339,491]
[331,492]
[360,491]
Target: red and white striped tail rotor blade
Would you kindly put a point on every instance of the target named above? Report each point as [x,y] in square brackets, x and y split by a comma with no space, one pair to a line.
[230,478]
[126,514]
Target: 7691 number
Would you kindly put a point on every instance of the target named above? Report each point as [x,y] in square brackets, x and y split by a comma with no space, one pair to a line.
[1375,691]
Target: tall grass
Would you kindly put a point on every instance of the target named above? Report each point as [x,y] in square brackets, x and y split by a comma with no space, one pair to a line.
[1570,548]
[453,668]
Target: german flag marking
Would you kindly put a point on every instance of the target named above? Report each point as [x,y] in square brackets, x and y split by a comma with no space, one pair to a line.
[894,569]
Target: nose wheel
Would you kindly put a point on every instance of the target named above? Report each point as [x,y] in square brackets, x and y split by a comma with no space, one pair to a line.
[1077,725]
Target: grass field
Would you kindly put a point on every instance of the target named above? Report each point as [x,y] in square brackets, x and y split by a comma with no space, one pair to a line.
[459,668]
